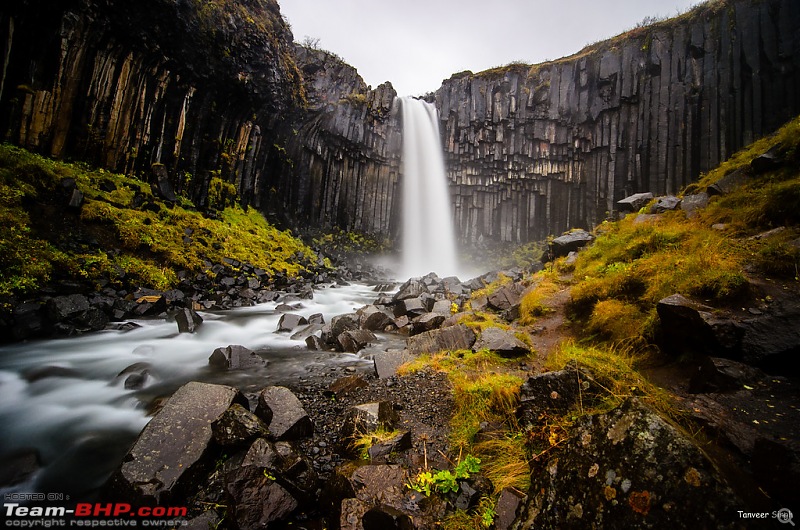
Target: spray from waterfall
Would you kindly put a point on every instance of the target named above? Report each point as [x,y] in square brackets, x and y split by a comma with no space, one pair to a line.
[428,236]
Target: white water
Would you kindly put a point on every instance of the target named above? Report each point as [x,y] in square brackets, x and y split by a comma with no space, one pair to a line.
[82,420]
[428,237]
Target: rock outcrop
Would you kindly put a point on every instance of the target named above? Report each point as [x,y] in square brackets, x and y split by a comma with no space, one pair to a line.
[536,150]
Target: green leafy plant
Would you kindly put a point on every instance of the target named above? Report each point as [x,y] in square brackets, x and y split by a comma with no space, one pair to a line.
[444,481]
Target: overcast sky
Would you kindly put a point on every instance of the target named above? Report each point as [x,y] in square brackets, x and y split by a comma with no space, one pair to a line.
[416,44]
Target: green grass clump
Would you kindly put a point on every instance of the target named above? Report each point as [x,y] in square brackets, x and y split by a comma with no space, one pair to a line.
[150,241]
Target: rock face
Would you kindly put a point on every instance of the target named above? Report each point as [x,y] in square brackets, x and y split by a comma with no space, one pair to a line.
[167,458]
[192,89]
[533,151]
[631,467]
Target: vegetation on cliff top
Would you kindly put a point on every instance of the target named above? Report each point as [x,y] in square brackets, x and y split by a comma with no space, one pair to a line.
[42,240]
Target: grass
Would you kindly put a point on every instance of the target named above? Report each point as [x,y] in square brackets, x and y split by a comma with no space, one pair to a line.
[364,442]
[533,303]
[146,244]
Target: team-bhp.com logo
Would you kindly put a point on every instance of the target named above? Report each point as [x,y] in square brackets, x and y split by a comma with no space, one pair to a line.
[93,514]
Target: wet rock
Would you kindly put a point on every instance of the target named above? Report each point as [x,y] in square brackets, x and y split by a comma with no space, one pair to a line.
[61,308]
[204,521]
[443,307]
[294,471]
[355,340]
[42,372]
[283,413]
[386,363]
[174,450]
[290,321]
[776,466]
[257,500]
[504,342]
[352,510]
[235,357]
[188,320]
[506,297]
[563,245]
[373,318]
[237,426]
[633,203]
[18,466]
[467,496]
[28,320]
[413,288]
[458,337]
[631,467]
[307,331]
[342,323]
[315,343]
[729,182]
[316,319]
[410,307]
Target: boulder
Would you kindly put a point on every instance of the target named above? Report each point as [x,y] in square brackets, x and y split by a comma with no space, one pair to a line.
[342,323]
[283,413]
[563,245]
[386,518]
[458,337]
[257,499]
[413,288]
[373,318]
[665,204]
[504,342]
[355,340]
[237,426]
[723,375]
[410,307]
[61,308]
[729,182]
[443,307]
[508,504]
[556,393]
[426,322]
[379,452]
[175,450]
[188,320]
[506,297]
[768,161]
[352,511]
[289,321]
[346,385]
[235,357]
[386,363]
[316,319]
[315,343]
[28,320]
[631,467]
[635,202]
[691,204]
[306,331]
[163,186]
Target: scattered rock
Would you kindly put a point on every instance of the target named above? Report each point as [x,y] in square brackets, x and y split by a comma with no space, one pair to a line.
[290,321]
[345,385]
[665,204]
[235,357]
[458,337]
[257,500]
[729,182]
[355,340]
[691,204]
[563,245]
[635,202]
[283,413]
[386,363]
[367,418]
[508,504]
[237,426]
[504,342]
[188,320]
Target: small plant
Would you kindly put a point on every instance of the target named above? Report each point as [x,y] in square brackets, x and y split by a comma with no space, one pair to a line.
[444,481]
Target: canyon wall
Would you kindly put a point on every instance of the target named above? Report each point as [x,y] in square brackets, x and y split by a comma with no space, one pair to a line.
[198,86]
[536,150]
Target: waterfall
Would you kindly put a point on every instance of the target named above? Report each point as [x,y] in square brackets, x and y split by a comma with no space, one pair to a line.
[428,237]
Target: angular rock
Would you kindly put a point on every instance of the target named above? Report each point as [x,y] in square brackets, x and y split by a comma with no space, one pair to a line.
[352,510]
[508,504]
[174,450]
[61,308]
[284,414]
[188,320]
[413,288]
[375,319]
[729,182]
[458,337]
[386,363]
[635,202]
[355,340]
[257,499]
[769,161]
[307,331]
[163,185]
[723,375]
[237,426]
[556,393]
[367,418]
[506,297]
[443,307]
[235,357]
[379,452]
[347,384]
[290,321]
[665,204]
[315,343]
[563,245]
[316,319]
[692,204]
[427,322]
[28,320]
[342,323]
[504,342]
[631,467]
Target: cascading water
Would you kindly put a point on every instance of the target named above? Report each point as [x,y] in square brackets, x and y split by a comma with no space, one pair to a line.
[428,237]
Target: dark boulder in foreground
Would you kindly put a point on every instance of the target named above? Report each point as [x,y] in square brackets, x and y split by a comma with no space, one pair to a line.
[283,413]
[631,467]
[169,458]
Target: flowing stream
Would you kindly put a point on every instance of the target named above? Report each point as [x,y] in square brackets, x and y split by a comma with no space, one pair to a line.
[428,236]
[65,399]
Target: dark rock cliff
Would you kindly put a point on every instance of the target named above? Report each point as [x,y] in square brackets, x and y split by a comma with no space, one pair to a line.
[535,150]
[197,86]
[342,153]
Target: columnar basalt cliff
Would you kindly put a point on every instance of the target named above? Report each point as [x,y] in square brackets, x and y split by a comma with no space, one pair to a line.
[536,150]
[341,165]
[196,86]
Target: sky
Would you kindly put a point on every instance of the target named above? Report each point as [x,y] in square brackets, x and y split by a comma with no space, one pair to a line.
[416,44]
